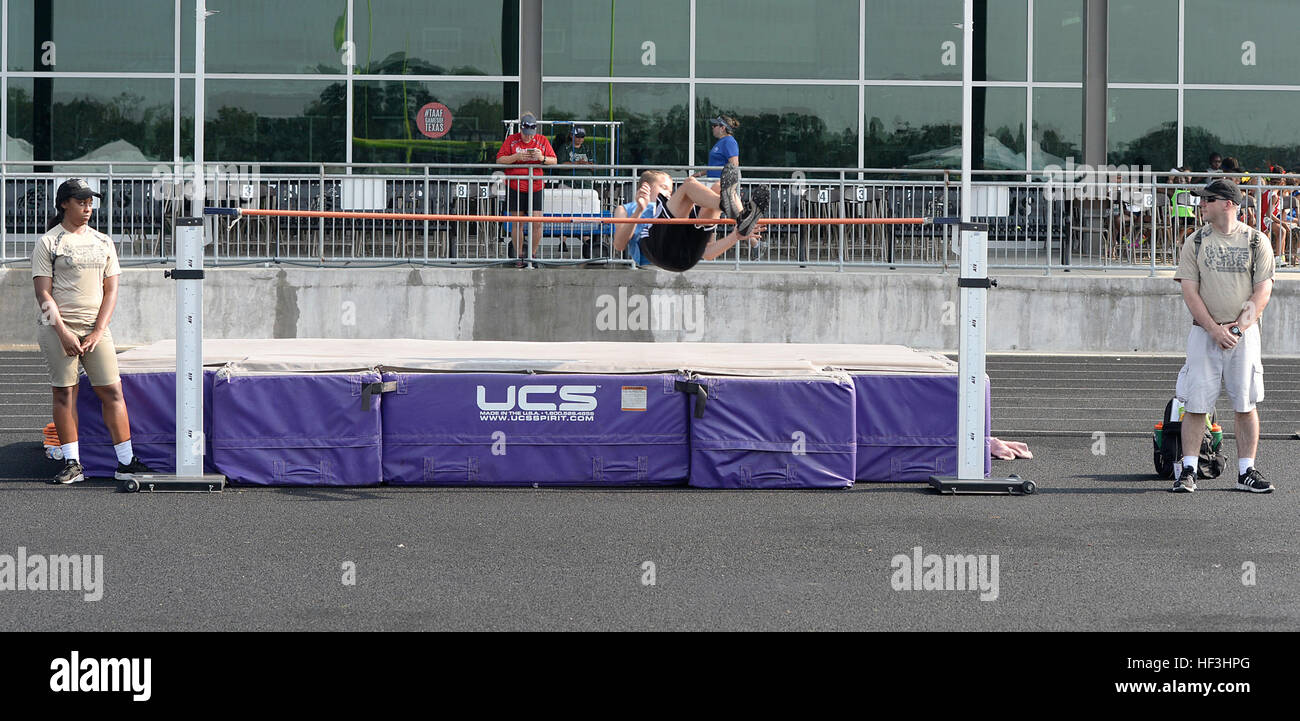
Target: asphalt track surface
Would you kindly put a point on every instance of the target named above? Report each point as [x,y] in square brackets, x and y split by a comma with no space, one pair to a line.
[1101,546]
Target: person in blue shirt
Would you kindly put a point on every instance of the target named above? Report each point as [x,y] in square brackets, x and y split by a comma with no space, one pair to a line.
[629,236]
[726,151]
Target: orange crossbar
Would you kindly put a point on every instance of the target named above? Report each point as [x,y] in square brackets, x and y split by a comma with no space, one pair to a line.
[579,220]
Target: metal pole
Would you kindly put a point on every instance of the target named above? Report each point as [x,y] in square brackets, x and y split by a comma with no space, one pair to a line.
[974,254]
[189,291]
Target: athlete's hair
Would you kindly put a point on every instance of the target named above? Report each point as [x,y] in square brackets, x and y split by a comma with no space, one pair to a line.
[732,124]
[649,176]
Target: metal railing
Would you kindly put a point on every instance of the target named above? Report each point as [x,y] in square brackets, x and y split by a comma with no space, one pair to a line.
[1034,221]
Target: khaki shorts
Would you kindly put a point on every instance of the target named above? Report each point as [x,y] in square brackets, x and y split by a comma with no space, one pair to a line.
[100,364]
[1210,368]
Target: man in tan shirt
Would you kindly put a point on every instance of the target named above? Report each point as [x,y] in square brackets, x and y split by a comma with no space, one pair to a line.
[1226,271]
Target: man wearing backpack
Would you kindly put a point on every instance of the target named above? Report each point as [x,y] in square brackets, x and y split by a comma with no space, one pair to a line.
[1226,271]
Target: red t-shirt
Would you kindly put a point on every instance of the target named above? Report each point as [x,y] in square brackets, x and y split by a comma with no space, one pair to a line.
[515,143]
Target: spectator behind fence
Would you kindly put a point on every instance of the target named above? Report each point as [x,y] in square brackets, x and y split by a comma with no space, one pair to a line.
[1216,163]
[575,151]
[1271,216]
[1182,205]
[525,148]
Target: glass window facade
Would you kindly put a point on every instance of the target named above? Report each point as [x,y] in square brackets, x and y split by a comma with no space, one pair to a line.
[782,125]
[1253,43]
[820,83]
[655,117]
[1142,128]
[908,40]
[384,121]
[1058,126]
[776,39]
[1058,40]
[1142,42]
[92,37]
[274,120]
[911,127]
[252,36]
[585,39]
[90,118]
[1257,127]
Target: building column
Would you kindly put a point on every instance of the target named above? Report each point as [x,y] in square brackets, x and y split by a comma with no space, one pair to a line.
[530,57]
[1094,82]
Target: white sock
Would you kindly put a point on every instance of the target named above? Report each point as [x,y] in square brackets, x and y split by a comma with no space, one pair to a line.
[1244,464]
[123,451]
[71,452]
[1190,461]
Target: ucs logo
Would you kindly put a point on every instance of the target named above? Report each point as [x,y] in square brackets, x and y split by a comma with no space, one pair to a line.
[576,398]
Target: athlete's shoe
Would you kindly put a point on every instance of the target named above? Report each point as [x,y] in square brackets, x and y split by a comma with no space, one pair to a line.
[1186,482]
[758,252]
[728,197]
[1252,481]
[71,473]
[754,210]
[131,470]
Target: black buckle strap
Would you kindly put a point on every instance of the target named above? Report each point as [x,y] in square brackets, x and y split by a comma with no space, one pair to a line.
[371,389]
[700,390]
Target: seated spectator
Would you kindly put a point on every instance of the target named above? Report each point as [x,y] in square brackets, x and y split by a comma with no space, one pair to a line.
[1271,217]
[1130,217]
[1182,205]
[1216,163]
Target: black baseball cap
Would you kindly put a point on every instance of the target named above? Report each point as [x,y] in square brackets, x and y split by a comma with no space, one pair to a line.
[75,188]
[579,133]
[1221,189]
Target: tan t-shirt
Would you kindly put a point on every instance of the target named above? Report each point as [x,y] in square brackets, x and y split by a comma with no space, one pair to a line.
[79,263]
[1223,268]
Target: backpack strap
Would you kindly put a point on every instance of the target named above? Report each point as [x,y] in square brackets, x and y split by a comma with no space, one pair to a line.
[1254,246]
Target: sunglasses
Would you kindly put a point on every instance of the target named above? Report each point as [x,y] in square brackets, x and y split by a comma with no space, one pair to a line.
[530,126]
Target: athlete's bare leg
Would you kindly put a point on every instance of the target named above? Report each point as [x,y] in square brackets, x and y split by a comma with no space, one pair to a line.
[692,192]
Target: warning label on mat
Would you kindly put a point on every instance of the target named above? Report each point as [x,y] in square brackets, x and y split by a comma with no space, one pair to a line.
[634,398]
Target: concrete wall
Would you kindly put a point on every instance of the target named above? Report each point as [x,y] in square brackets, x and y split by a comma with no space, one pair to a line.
[1059,313]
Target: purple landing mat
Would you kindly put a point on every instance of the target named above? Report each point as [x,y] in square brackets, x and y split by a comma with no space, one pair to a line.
[296,430]
[151,408]
[508,429]
[907,427]
[774,433]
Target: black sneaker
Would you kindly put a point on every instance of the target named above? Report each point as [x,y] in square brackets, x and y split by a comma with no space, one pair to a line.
[754,211]
[1252,481]
[131,470]
[71,473]
[1186,482]
[728,198]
